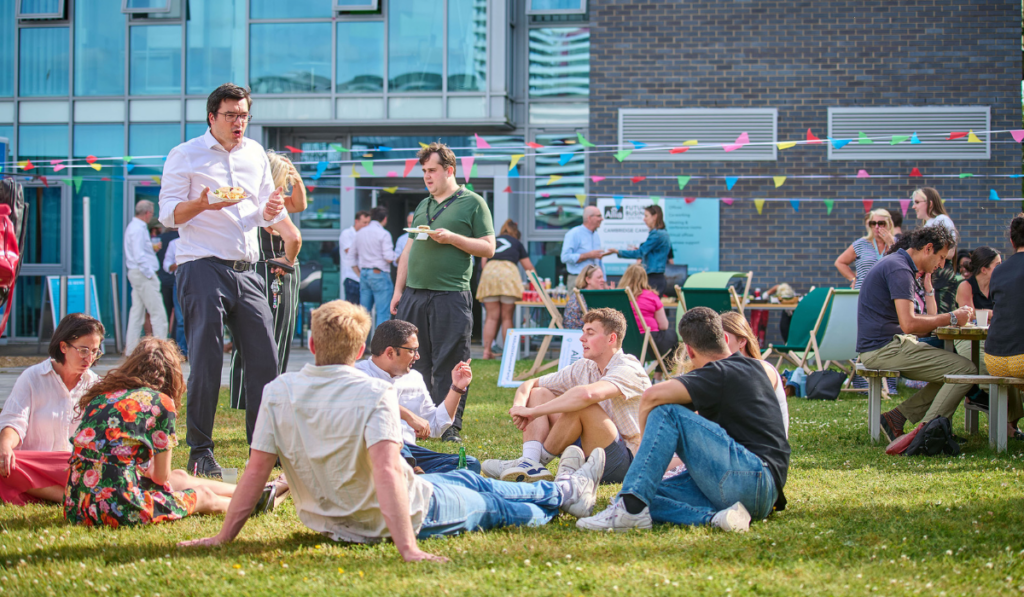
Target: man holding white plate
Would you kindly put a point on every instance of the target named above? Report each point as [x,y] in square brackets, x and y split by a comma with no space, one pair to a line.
[216,256]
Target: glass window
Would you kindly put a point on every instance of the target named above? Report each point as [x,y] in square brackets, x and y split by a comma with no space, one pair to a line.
[550,7]
[555,205]
[195,129]
[43,64]
[216,44]
[467,45]
[152,140]
[306,9]
[560,62]
[39,142]
[155,60]
[146,5]
[361,57]
[6,149]
[99,48]
[7,32]
[41,8]
[324,211]
[415,46]
[100,140]
[356,5]
[290,57]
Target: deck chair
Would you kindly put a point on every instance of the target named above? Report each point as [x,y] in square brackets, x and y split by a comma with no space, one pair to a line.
[622,300]
[712,290]
[556,322]
[808,312]
[838,345]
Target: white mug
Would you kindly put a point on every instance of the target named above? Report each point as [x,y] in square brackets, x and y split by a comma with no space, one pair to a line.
[229,475]
[982,316]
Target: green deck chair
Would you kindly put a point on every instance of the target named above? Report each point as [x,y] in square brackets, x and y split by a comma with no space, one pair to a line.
[712,290]
[636,340]
[806,317]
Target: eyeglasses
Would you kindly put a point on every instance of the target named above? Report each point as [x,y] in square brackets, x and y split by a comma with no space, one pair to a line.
[232,117]
[415,351]
[85,352]
[876,223]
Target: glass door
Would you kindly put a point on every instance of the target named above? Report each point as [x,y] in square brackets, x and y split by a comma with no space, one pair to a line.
[47,252]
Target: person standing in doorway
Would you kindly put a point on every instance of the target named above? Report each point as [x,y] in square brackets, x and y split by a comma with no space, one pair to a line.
[216,256]
[372,253]
[142,265]
[432,287]
[349,276]
[582,245]
[403,238]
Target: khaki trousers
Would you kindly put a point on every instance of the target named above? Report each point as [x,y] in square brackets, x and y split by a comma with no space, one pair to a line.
[1014,409]
[924,363]
[146,297]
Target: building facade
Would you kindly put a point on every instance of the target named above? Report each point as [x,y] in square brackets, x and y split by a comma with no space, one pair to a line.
[351,88]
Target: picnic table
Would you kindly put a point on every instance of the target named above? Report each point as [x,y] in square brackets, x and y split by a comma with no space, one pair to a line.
[975,334]
[765,306]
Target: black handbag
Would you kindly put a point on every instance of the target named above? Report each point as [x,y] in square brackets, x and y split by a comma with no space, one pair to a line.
[824,385]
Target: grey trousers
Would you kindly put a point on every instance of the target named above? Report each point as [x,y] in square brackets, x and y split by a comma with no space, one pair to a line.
[213,295]
[445,323]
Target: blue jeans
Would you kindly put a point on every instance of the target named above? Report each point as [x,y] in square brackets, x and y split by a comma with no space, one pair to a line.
[719,471]
[376,288]
[436,462]
[179,323]
[465,501]
[351,290]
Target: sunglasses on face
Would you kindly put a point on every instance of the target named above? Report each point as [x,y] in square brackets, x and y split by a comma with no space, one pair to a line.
[876,223]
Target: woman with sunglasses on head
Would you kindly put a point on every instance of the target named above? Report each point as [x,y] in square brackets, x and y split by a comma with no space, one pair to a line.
[38,417]
[866,251]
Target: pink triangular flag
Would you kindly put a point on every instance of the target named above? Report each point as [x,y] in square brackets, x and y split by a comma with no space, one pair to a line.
[689,199]
[863,174]
[392,174]
[480,143]
[727,200]
[409,165]
[508,189]
[742,140]
[1018,136]
[467,166]
[904,205]
[59,167]
[597,178]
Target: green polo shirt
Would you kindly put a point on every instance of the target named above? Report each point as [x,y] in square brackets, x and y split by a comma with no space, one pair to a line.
[433,266]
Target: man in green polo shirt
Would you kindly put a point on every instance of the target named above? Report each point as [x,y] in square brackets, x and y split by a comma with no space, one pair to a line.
[432,287]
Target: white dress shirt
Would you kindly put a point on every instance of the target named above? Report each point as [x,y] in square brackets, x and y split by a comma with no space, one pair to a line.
[42,410]
[230,233]
[348,236]
[372,248]
[413,396]
[138,249]
[170,255]
[321,422]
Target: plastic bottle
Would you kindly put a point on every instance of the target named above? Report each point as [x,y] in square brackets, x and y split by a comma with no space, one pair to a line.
[462,458]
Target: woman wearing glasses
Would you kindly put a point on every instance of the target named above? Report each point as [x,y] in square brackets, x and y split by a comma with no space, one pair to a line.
[866,251]
[38,417]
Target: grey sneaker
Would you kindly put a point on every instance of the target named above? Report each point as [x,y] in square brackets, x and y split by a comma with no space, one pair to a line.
[615,518]
[525,470]
[572,460]
[494,468]
[735,518]
[583,485]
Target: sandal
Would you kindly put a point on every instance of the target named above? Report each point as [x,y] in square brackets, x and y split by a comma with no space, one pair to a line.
[266,501]
[281,483]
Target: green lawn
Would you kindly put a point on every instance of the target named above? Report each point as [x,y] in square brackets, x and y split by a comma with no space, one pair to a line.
[858,523]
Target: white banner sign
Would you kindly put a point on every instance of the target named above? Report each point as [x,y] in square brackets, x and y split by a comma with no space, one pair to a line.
[572,351]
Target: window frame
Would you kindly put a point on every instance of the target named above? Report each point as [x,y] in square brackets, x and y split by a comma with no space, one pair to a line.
[130,11]
[556,11]
[346,8]
[61,13]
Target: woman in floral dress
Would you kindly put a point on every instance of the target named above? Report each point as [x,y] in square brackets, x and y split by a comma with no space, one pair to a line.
[121,464]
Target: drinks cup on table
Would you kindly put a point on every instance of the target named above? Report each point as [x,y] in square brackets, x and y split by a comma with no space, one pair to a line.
[982,316]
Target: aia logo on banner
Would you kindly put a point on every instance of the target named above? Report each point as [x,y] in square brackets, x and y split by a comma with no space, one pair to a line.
[614,213]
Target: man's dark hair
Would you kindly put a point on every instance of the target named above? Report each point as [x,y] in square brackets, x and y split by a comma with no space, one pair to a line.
[939,237]
[701,329]
[226,91]
[1017,231]
[379,213]
[362,214]
[444,155]
[394,333]
[71,328]
[896,216]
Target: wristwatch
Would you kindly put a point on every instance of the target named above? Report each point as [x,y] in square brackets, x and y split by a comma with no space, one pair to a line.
[952,318]
[930,293]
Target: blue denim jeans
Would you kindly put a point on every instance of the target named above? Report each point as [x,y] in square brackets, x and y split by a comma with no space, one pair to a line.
[465,501]
[719,471]
[436,462]
[179,324]
[376,288]
[351,290]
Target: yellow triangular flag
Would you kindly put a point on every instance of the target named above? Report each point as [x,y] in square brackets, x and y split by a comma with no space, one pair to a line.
[759,204]
[390,190]
[515,160]
[690,142]
[22,164]
[786,144]
[96,167]
[354,173]
[582,199]
[554,178]
[779,181]
[156,179]
[972,138]
[423,145]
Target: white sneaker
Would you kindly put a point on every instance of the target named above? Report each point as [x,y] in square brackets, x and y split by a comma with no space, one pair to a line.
[615,518]
[572,460]
[583,485]
[493,468]
[735,518]
[525,470]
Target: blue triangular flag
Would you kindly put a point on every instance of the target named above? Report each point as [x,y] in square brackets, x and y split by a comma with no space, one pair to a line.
[514,172]
[730,181]
[383,148]
[839,143]
[129,167]
[618,202]
[795,203]
[993,195]
[638,145]
[914,139]
[321,167]
[565,158]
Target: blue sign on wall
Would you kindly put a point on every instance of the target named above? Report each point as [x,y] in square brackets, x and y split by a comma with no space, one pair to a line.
[76,296]
[692,227]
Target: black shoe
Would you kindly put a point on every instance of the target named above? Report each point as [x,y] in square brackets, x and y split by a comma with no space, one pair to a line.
[889,429]
[451,435]
[204,466]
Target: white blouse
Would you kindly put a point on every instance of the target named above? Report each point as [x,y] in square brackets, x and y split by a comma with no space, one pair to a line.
[42,410]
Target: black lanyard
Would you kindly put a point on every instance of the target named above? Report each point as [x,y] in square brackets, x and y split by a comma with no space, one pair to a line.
[444,206]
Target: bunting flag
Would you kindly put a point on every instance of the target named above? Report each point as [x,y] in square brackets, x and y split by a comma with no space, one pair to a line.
[77,180]
[655,200]
[293,149]
[535,145]
[812,139]
[690,143]
[621,155]
[993,195]
[795,204]
[861,138]
[423,145]
[341,148]
[904,205]
[470,188]
[582,199]
[383,148]
[47,184]
[58,166]
[480,143]
[127,168]
[618,201]
[914,140]
[779,181]
[515,160]
[554,178]
[392,174]
[964,175]
[863,174]
[786,145]
[565,158]
[689,200]
[96,167]
[597,178]
[321,167]
[727,200]
[582,141]
[839,143]
[955,135]
[354,173]
[545,195]
[126,159]
[390,190]
[514,172]
[508,189]
[1018,135]
[90,160]
[155,179]
[368,166]
[26,165]
[679,150]
[915,172]
[742,140]
[409,165]
[730,181]
[897,139]
[867,205]
[472,171]
[638,145]
[759,204]
[972,138]
[55,162]
[467,167]
[682,180]
[829,204]
[637,179]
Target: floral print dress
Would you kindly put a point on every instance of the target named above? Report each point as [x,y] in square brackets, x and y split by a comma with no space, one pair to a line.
[119,435]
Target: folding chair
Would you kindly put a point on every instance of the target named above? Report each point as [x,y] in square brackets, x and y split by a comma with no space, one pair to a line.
[806,317]
[556,322]
[622,300]
[838,345]
[712,290]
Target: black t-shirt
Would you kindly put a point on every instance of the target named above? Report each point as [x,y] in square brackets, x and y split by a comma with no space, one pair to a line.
[736,393]
[508,248]
[890,279]
[1006,328]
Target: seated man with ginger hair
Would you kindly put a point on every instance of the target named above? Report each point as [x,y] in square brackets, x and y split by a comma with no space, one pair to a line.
[593,403]
[338,434]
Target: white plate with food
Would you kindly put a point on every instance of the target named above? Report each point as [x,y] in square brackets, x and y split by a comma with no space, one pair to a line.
[228,195]
[421,232]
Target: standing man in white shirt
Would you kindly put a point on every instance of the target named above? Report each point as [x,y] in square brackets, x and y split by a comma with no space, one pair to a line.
[372,256]
[582,245]
[216,255]
[140,260]
[350,277]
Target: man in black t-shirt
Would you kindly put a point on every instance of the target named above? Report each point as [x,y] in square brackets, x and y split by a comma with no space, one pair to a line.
[735,450]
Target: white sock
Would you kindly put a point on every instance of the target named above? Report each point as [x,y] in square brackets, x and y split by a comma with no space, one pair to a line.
[533,450]
[545,456]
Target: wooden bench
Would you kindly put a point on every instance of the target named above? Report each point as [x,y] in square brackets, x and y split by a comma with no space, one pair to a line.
[875,377]
[998,391]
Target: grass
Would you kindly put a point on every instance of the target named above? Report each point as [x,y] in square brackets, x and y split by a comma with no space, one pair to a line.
[858,523]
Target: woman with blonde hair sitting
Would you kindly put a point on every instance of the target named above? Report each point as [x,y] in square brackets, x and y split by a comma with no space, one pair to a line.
[591,278]
[865,252]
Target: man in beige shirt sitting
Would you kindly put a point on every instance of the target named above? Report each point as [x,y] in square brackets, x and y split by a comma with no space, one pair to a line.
[593,403]
[338,434]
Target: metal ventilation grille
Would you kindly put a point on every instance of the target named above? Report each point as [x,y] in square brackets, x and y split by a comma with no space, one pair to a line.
[711,128]
[932,125]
